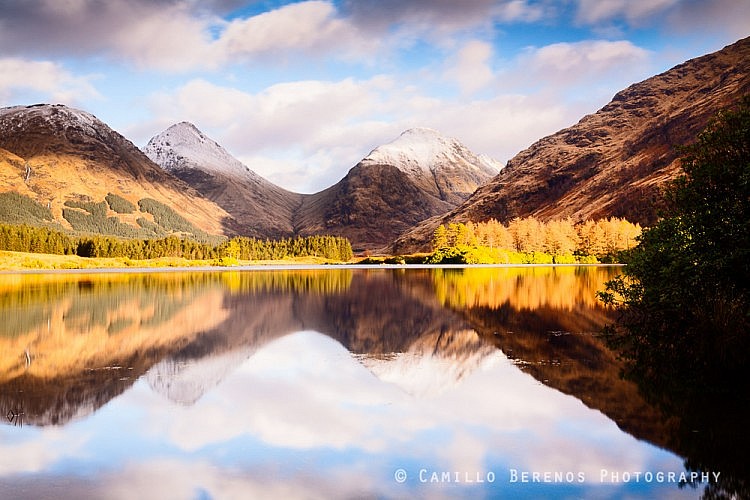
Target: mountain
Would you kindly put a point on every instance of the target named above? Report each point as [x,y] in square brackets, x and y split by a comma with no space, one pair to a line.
[613,162]
[261,208]
[441,166]
[67,160]
[418,175]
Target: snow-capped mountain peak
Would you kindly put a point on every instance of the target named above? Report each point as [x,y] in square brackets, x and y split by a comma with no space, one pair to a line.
[427,150]
[183,146]
[56,116]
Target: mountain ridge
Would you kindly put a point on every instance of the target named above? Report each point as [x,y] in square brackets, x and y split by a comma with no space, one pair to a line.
[417,175]
[611,163]
[261,208]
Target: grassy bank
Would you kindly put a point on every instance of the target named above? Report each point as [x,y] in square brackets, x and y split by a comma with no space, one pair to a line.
[23,261]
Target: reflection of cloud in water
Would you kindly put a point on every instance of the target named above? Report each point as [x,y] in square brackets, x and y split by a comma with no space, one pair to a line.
[305,391]
[301,417]
[48,446]
[168,478]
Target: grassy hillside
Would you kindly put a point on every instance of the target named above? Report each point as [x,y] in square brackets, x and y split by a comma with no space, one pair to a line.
[112,216]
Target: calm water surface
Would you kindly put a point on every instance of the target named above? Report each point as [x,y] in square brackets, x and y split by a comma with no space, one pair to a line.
[339,383]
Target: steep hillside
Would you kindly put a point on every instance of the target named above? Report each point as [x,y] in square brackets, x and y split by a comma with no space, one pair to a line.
[370,206]
[261,208]
[55,154]
[613,162]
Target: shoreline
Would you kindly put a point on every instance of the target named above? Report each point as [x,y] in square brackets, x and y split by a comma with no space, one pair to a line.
[279,267]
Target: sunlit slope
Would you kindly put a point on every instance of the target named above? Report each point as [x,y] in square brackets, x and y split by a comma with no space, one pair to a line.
[55,154]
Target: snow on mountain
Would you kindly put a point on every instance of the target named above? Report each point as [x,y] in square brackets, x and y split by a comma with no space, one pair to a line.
[260,207]
[424,150]
[183,146]
[55,117]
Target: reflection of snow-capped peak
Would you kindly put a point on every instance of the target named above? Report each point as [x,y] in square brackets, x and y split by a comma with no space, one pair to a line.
[185,381]
[431,366]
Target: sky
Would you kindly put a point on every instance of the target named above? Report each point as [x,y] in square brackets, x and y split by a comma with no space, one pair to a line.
[300,91]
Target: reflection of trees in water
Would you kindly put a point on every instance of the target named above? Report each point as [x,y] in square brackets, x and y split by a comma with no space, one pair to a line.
[711,422]
[113,329]
[561,288]
[303,281]
[537,319]
[76,341]
[562,349]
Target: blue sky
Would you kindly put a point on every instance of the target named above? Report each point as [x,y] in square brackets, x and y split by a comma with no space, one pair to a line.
[301,91]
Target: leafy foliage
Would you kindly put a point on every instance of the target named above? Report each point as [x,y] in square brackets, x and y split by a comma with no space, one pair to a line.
[96,222]
[170,220]
[24,238]
[530,241]
[98,210]
[685,294]
[685,303]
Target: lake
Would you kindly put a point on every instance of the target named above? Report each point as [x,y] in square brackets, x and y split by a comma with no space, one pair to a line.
[481,382]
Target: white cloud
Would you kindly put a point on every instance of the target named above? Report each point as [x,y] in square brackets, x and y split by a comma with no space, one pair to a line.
[561,64]
[438,16]
[51,81]
[310,26]
[303,135]
[177,35]
[634,11]
[470,68]
[168,39]
[306,135]
[730,19]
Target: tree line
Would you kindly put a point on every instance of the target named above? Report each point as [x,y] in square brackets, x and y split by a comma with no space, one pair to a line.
[529,240]
[25,238]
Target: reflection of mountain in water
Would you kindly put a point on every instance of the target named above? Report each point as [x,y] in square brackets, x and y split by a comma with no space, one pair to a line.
[71,343]
[379,313]
[186,381]
[76,341]
[434,363]
[554,336]
[417,328]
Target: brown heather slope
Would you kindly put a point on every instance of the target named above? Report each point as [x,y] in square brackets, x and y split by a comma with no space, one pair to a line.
[370,206]
[418,175]
[613,162]
[53,154]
